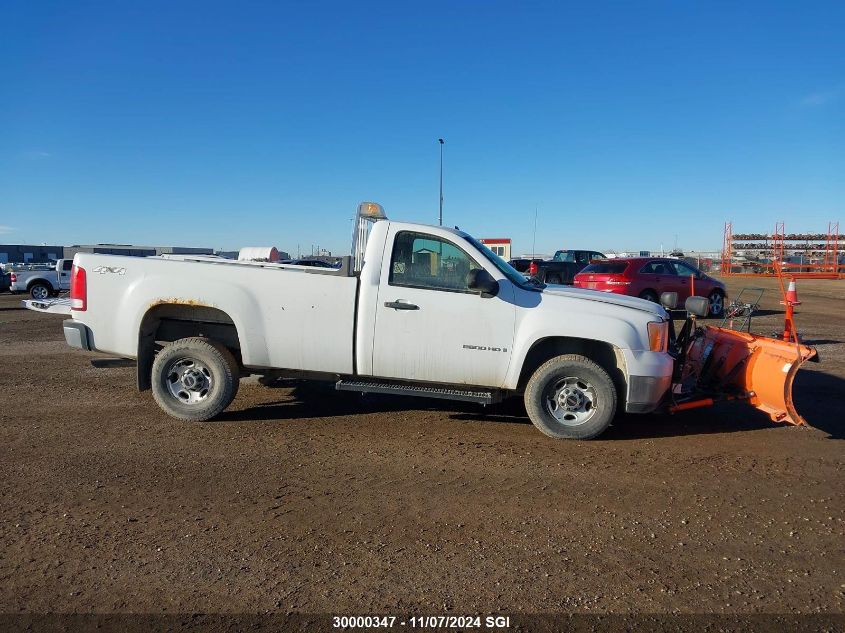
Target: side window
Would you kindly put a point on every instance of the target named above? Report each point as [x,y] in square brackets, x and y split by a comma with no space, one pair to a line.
[657,268]
[683,270]
[67,264]
[583,257]
[426,261]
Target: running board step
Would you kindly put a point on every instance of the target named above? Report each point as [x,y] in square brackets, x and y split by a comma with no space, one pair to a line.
[480,396]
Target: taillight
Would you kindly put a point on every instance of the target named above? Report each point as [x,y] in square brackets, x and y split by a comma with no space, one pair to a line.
[532,268]
[13,278]
[78,289]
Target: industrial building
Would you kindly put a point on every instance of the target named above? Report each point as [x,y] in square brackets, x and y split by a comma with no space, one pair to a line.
[38,254]
[29,253]
[134,251]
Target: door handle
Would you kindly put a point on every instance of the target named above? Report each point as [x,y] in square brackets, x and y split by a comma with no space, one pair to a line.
[401,305]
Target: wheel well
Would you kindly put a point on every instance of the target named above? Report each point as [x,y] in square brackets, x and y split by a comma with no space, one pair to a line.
[43,282]
[647,290]
[606,355]
[167,322]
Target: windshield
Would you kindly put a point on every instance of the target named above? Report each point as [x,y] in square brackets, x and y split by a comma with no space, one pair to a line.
[505,268]
[564,256]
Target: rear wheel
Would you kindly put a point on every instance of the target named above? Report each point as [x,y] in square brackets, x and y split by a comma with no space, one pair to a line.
[194,379]
[40,291]
[571,397]
[553,279]
[649,295]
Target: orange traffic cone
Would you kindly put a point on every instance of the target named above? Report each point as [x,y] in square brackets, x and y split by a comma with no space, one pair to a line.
[791,294]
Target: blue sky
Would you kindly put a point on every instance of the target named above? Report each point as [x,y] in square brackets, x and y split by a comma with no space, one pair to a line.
[241,123]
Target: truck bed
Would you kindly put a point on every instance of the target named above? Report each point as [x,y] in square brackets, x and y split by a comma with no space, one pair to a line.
[286,316]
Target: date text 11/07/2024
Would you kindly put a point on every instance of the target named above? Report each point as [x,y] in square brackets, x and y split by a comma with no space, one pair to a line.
[421,621]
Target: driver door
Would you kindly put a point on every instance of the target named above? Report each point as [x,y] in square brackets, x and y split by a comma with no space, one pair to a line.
[430,326]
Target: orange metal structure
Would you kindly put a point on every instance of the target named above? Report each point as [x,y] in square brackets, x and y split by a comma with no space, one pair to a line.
[822,251]
[831,249]
[727,249]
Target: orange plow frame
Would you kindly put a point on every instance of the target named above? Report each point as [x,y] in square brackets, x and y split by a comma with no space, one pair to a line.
[726,364]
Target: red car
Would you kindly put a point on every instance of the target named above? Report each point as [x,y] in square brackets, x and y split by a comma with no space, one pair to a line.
[648,277]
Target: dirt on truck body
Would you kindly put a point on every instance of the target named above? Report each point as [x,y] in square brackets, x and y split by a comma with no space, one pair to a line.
[300,499]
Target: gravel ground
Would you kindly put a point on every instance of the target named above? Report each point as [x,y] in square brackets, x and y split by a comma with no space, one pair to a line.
[302,500]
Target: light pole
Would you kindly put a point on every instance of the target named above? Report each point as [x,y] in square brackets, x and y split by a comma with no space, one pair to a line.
[441,141]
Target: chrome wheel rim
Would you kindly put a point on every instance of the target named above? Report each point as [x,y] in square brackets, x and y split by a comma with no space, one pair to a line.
[39,292]
[188,380]
[716,304]
[571,401]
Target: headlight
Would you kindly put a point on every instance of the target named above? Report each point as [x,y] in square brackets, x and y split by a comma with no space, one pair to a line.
[658,334]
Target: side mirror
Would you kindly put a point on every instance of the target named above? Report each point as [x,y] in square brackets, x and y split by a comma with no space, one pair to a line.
[699,306]
[669,300]
[480,279]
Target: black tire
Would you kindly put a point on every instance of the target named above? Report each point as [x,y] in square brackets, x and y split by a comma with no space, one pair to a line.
[717,304]
[40,291]
[210,386]
[553,279]
[586,381]
[650,295]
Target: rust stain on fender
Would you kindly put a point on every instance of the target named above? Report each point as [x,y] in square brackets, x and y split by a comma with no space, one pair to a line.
[193,303]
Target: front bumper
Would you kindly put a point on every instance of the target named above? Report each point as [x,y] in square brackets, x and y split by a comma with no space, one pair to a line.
[77,335]
[649,379]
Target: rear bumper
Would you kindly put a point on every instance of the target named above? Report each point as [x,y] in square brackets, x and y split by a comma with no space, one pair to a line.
[649,379]
[77,335]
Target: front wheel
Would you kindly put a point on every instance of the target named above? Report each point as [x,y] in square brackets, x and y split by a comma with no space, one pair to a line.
[571,397]
[194,379]
[650,295]
[717,303]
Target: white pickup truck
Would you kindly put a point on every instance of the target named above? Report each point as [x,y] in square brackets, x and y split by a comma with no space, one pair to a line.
[417,310]
[40,282]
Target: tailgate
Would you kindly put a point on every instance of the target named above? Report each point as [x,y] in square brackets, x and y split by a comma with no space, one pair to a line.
[51,306]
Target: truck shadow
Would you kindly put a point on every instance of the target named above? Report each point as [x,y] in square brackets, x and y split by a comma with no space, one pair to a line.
[816,395]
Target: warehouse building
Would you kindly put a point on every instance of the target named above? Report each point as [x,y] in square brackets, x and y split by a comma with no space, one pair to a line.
[134,251]
[29,253]
[39,254]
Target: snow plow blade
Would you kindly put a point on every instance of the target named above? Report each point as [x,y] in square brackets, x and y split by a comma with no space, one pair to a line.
[727,364]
